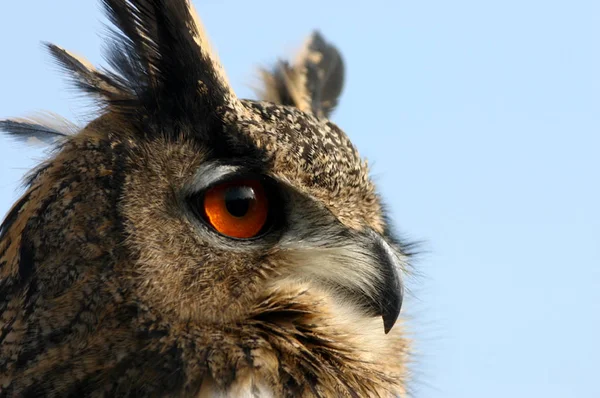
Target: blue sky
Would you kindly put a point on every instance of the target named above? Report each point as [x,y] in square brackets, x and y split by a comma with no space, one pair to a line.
[482,124]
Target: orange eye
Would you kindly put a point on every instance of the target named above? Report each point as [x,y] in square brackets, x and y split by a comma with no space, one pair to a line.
[238,209]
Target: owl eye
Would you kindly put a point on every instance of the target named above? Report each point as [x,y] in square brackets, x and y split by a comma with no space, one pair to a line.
[238,209]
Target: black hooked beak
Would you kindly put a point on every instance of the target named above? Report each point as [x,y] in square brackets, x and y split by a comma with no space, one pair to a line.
[390,292]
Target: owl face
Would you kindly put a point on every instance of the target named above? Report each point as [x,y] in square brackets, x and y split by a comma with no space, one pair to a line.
[281,198]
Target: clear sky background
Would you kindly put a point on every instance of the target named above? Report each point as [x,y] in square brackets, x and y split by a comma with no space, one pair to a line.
[481,120]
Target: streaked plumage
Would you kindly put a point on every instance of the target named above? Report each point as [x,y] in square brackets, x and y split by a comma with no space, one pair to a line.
[113,283]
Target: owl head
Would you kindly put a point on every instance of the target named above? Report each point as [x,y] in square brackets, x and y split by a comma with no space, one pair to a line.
[183,215]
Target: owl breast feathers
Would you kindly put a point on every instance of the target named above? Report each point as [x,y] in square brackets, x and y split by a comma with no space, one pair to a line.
[190,243]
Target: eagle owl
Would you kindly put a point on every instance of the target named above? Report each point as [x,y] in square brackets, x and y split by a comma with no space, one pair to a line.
[187,242]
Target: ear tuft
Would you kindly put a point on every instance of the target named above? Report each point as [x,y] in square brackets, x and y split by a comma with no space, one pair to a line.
[44,129]
[313,83]
[85,76]
[163,56]
[163,72]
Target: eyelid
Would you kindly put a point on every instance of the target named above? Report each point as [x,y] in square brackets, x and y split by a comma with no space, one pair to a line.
[210,173]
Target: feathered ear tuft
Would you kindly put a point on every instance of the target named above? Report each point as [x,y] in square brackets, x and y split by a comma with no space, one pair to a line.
[41,129]
[162,65]
[313,84]
[164,57]
[85,76]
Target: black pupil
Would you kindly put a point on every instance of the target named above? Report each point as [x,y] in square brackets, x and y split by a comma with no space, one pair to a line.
[238,200]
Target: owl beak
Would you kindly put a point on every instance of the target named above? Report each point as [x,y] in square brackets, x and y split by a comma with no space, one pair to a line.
[390,293]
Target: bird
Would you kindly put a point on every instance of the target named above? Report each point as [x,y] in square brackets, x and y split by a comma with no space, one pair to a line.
[188,242]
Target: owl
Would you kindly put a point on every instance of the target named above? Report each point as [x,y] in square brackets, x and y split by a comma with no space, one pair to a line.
[187,242]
